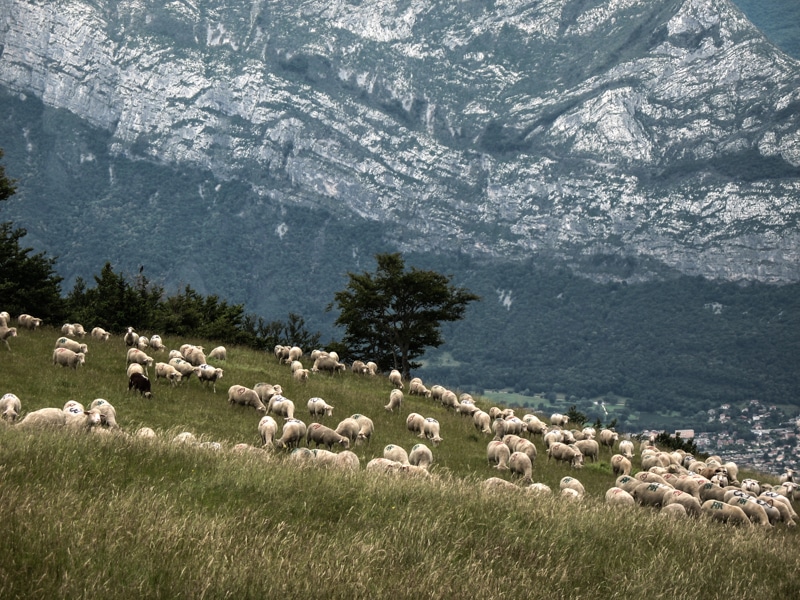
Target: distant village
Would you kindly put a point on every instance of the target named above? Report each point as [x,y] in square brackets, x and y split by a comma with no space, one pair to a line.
[756,436]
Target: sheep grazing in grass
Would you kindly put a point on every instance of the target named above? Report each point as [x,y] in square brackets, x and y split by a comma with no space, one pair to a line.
[572,484]
[135,355]
[68,358]
[108,414]
[317,407]
[10,407]
[420,456]
[367,427]
[589,449]
[157,344]
[73,407]
[266,391]
[28,322]
[620,465]
[218,353]
[726,513]
[618,497]
[294,431]
[267,428]
[134,368]
[146,433]
[520,464]
[56,418]
[168,372]
[185,438]
[6,333]
[497,454]
[564,453]
[281,406]
[322,434]
[65,342]
[349,428]
[184,368]
[482,422]
[239,394]
[396,379]
[430,429]
[100,334]
[415,423]
[395,400]
[396,453]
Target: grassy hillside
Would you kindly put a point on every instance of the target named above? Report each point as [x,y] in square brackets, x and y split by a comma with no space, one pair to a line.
[117,516]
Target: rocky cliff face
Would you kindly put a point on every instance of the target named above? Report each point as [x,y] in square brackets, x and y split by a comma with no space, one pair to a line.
[578,129]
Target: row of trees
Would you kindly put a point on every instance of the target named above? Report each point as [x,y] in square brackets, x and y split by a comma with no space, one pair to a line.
[389,317]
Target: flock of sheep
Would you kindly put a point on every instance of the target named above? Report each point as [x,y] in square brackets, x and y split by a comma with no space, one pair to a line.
[675,483]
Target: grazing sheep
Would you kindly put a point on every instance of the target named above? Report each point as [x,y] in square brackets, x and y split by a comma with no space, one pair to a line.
[372,368]
[349,428]
[294,431]
[184,368]
[10,407]
[185,437]
[751,485]
[301,375]
[44,418]
[754,511]
[73,407]
[450,400]
[618,497]
[523,445]
[143,343]
[359,367]
[28,322]
[620,465]
[788,475]
[266,391]
[430,429]
[520,464]
[318,407]
[415,423]
[396,379]
[497,454]
[239,394]
[559,420]
[384,465]
[367,427]
[135,355]
[421,456]
[168,372]
[329,364]
[689,502]
[395,400]
[267,428]
[782,503]
[437,391]
[322,434]
[540,489]
[498,483]
[347,460]
[157,344]
[627,483]
[281,406]
[134,368]
[651,494]
[570,483]
[208,374]
[5,333]
[145,433]
[552,437]
[100,334]
[281,352]
[564,453]
[68,358]
[218,353]
[131,338]
[482,421]
[194,355]
[726,513]
[626,448]
[466,408]
[108,414]
[534,425]
[141,384]
[589,449]
[417,388]
[395,453]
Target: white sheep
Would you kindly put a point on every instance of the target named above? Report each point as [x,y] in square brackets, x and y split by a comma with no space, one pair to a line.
[28,322]
[570,483]
[5,333]
[185,438]
[325,362]
[395,399]
[417,388]
[520,464]
[194,355]
[267,428]
[559,419]
[143,343]
[396,379]
[184,368]
[450,400]
[395,453]
[10,407]
[607,437]
[358,367]
[318,407]
[534,424]
[295,353]
[301,375]
[281,406]
[372,368]
[415,423]
[5,318]
[73,407]
[420,456]
[131,338]
[367,427]
[482,421]
[135,355]
[239,394]
[564,453]
[616,496]
[218,353]
[208,374]
[431,430]
[497,453]
[294,430]
[134,368]
[322,434]
[349,428]
[108,414]
[166,371]
[68,358]
[100,334]
[626,448]
[266,391]
[65,342]
[157,344]
[56,418]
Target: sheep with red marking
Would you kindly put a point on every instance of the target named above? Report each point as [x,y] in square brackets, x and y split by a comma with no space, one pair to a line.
[245,396]
[564,453]
[317,407]
[135,355]
[322,434]
[208,374]
[294,431]
[67,358]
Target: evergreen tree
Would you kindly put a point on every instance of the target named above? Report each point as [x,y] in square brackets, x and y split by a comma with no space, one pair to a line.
[392,315]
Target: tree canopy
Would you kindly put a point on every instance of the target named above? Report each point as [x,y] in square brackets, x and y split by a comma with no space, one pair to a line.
[7,187]
[392,315]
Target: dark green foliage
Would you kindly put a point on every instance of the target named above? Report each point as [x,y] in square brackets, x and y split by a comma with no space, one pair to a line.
[391,316]
[665,440]
[7,187]
[28,282]
[576,417]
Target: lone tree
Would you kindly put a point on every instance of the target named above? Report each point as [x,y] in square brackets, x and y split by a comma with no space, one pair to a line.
[392,315]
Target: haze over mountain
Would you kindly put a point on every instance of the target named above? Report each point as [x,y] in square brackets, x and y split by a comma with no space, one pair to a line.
[260,150]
